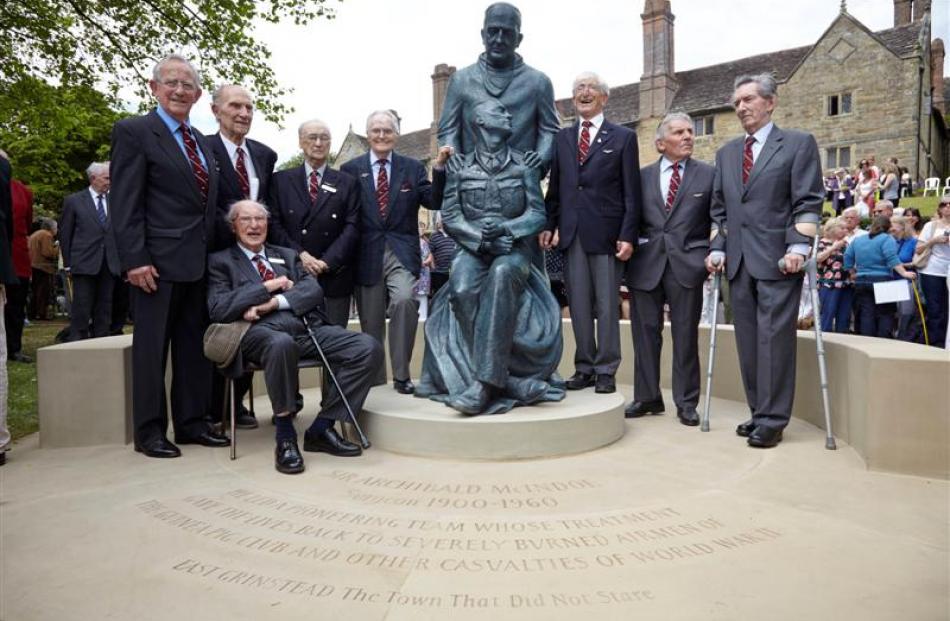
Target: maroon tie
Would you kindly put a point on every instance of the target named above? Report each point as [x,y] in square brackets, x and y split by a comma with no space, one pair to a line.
[674,186]
[382,190]
[262,269]
[191,149]
[584,146]
[747,159]
[314,185]
[241,168]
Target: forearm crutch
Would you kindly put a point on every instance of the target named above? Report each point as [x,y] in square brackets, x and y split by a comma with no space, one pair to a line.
[714,294]
[364,441]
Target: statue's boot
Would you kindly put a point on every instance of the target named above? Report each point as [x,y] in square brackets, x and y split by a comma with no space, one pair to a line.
[527,390]
[472,401]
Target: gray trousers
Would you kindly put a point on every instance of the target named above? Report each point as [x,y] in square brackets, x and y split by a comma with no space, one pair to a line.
[766,319]
[646,324]
[402,308]
[593,291]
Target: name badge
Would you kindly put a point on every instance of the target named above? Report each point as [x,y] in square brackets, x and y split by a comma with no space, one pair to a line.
[276,261]
[328,188]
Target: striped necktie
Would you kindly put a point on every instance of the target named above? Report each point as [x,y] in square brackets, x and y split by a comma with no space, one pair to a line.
[241,168]
[674,186]
[584,145]
[191,150]
[382,190]
[747,160]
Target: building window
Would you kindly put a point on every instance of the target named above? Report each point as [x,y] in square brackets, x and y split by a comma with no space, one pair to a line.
[838,157]
[703,126]
[839,104]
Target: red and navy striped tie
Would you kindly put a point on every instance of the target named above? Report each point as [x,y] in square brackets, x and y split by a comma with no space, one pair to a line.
[191,149]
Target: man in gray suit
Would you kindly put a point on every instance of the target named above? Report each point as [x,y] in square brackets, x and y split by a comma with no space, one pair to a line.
[668,268]
[89,254]
[268,287]
[767,199]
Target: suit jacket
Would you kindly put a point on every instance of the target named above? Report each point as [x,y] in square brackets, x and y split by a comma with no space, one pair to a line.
[229,192]
[84,241]
[158,215]
[409,189]
[758,219]
[234,285]
[7,275]
[598,201]
[680,237]
[328,229]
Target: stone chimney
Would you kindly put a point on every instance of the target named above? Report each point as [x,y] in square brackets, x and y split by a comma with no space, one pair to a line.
[657,84]
[921,7]
[902,12]
[440,84]
[936,75]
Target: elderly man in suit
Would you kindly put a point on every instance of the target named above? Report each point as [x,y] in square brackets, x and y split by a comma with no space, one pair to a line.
[393,187]
[7,277]
[593,207]
[246,167]
[767,198]
[316,211]
[89,254]
[668,268]
[164,197]
[268,287]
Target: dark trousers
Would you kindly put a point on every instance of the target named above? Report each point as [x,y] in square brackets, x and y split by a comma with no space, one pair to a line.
[593,292]
[14,314]
[120,305]
[765,315]
[437,280]
[934,289]
[92,302]
[835,308]
[175,316]
[874,319]
[40,296]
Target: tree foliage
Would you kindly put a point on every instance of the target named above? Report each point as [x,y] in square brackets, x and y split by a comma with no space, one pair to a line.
[52,134]
[114,43]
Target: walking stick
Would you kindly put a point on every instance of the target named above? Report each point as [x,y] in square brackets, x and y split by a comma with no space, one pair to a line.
[920,309]
[717,279]
[364,441]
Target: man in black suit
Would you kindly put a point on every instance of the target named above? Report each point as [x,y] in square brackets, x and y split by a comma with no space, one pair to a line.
[7,276]
[668,268]
[89,255]
[164,196]
[315,210]
[393,188]
[267,286]
[246,167]
[767,198]
[593,206]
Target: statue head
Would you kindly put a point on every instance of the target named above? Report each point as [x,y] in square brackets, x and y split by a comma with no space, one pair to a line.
[501,34]
[494,124]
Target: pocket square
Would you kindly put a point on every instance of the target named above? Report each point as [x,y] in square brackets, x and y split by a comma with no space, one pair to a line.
[697,194]
[608,151]
[326,187]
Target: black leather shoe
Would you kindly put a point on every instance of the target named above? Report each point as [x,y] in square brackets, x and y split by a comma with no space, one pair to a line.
[642,408]
[745,429]
[688,416]
[579,381]
[329,441]
[765,437]
[20,357]
[159,447]
[3,457]
[404,387]
[605,384]
[243,419]
[206,438]
[287,457]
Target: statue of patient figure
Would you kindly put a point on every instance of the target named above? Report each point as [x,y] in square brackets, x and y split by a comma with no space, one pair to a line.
[493,336]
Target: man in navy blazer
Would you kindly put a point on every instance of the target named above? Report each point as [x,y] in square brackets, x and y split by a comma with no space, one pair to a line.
[767,198]
[668,268]
[393,188]
[315,210]
[164,197]
[593,207]
[89,255]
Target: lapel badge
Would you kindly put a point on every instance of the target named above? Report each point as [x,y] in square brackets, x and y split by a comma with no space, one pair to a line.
[329,188]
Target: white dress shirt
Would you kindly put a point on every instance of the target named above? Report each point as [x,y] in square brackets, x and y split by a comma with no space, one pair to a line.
[666,173]
[248,163]
[95,200]
[596,122]
[282,303]
[374,166]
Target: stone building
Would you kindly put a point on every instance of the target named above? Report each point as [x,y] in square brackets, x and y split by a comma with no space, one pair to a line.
[859,92]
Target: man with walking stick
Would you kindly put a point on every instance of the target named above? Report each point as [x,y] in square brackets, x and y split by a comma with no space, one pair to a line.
[267,286]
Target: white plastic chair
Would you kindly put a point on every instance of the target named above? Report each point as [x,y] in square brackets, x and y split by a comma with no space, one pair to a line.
[946,187]
[932,184]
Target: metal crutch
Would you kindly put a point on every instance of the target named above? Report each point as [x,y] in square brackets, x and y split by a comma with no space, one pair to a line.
[717,279]
[364,441]
[811,268]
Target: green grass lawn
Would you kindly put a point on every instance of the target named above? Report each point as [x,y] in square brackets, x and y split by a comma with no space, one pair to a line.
[23,418]
[926,204]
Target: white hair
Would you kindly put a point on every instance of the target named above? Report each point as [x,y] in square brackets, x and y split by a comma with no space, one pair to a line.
[219,91]
[236,207]
[389,115]
[664,125]
[157,70]
[316,122]
[96,168]
[598,81]
[765,84]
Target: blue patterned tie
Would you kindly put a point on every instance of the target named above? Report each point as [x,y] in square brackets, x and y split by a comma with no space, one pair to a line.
[101,210]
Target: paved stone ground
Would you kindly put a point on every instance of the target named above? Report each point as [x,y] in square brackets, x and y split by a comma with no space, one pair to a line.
[667,523]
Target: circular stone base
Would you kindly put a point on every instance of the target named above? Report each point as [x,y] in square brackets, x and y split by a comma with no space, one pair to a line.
[583,421]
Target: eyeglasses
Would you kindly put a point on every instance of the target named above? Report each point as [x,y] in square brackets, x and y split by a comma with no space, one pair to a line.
[317,137]
[245,220]
[381,131]
[188,87]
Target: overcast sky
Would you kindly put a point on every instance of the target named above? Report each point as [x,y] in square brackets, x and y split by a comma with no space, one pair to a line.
[381,53]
